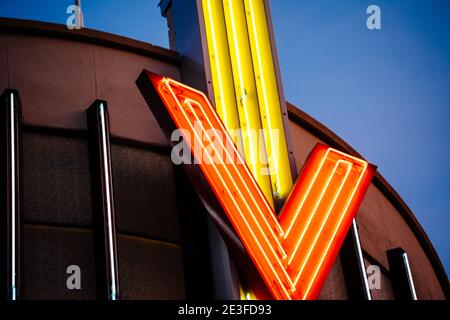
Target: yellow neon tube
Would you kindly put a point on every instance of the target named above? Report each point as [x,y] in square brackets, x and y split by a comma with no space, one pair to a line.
[220,63]
[246,93]
[269,100]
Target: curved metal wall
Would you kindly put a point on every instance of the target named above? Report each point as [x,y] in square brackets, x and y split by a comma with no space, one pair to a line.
[58,75]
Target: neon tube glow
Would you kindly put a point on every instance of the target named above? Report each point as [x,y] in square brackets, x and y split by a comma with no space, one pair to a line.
[245,93]
[268,97]
[294,252]
[237,31]
[219,58]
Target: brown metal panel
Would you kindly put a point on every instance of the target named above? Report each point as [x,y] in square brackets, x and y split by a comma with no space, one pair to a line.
[302,143]
[86,35]
[384,291]
[335,286]
[47,253]
[150,269]
[3,63]
[55,78]
[144,193]
[57,186]
[372,225]
[425,279]
[383,228]
[61,77]
[115,73]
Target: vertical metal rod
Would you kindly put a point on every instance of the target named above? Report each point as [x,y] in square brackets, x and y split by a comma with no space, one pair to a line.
[412,287]
[109,215]
[12,124]
[361,264]
[401,275]
[10,166]
[102,190]
[354,267]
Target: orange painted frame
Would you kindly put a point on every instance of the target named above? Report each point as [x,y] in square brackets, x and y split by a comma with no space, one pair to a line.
[295,251]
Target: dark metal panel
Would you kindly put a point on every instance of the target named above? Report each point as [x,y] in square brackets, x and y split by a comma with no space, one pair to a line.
[400,274]
[226,285]
[150,269]
[56,189]
[354,267]
[48,252]
[10,201]
[194,240]
[103,202]
[144,194]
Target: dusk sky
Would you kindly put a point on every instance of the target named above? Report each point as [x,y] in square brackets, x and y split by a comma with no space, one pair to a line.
[386,92]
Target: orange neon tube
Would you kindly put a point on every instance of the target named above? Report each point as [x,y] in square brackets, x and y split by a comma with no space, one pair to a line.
[295,251]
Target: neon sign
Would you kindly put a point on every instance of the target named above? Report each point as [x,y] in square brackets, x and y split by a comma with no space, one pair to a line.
[294,251]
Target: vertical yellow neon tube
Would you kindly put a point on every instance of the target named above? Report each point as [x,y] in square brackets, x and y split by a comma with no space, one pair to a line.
[269,99]
[220,63]
[245,92]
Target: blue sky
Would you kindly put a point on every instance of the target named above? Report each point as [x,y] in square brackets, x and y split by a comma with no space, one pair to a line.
[386,92]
